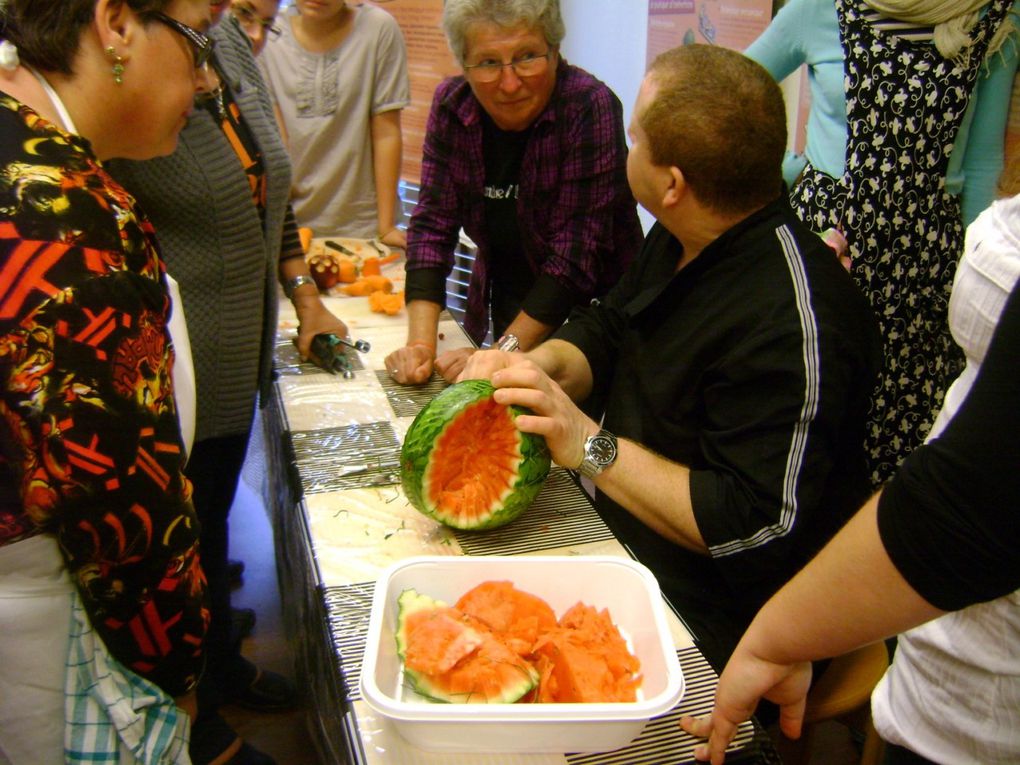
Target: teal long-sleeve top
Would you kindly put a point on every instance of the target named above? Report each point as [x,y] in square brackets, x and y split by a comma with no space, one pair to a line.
[807,32]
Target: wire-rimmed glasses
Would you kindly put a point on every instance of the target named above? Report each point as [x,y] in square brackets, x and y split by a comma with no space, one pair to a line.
[527,65]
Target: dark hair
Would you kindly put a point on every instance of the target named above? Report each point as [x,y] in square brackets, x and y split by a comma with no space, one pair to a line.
[47,32]
[719,117]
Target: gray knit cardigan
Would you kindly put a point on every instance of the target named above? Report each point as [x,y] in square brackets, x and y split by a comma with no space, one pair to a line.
[200,203]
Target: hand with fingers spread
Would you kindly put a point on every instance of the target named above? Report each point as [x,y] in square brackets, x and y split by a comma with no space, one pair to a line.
[747,679]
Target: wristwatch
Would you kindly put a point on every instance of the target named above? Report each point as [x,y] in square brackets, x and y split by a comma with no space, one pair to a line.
[292,284]
[599,453]
[508,343]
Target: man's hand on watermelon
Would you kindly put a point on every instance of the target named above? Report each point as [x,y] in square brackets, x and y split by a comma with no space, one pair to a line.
[482,364]
[555,416]
[548,380]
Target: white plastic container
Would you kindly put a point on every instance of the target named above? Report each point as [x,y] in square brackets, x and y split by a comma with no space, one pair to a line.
[626,588]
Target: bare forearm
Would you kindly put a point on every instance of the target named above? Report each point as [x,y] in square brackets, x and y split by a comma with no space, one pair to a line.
[387,152]
[654,490]
[423,322]
[565,364]
[529,332]
[850,595]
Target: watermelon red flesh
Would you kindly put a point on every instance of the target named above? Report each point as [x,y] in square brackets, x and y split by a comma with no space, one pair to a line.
[451,657]
[463,483]
[465,464]
[589,659]
[438,639]
[517,617]
[493,674]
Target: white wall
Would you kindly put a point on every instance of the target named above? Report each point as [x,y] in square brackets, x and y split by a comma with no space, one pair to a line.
[609,39]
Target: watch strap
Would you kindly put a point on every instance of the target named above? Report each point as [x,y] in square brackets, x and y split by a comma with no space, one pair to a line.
[597,459]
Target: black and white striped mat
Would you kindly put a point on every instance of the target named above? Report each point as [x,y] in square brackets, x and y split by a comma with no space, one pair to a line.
[561,516]
[288,360]
[408,400]
[347,457]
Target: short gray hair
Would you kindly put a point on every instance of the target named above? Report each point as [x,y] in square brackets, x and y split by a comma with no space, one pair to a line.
[458,15]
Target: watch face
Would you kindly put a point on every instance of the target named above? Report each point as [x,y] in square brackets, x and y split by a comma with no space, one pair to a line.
[601,450]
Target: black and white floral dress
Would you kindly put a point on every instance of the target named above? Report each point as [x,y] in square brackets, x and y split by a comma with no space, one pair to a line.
[905,104]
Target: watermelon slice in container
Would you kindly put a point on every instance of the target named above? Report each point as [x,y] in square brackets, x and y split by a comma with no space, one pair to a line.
[466,465]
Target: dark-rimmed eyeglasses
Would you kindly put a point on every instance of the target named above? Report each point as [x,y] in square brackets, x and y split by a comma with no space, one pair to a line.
[250,19]
[201,44]
[528,65]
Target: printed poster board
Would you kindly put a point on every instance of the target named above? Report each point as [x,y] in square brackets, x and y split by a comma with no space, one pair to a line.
[429,61]
[730,23]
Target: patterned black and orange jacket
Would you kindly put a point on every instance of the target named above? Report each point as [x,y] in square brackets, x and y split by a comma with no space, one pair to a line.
[90,447]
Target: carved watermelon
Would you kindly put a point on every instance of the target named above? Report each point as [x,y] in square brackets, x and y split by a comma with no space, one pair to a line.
[466,465]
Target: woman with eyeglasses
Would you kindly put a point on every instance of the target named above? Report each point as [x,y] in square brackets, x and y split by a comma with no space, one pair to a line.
[102,598]
[220,208]
[258,19]
[528,155]
[338,73]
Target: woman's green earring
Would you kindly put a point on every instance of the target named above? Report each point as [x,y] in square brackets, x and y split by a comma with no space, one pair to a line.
[118,65]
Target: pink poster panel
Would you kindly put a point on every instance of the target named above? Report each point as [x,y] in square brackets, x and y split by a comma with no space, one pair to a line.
[429,61]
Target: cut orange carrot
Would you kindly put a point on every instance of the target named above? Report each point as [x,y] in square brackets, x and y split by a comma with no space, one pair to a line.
[388,303]
[370,267]
[305,234]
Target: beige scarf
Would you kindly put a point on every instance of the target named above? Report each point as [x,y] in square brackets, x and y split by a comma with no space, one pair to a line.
[952,19]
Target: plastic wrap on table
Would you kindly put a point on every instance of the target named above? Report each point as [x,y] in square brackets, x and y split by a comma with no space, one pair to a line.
[359,532]
[328,401]
[349,457]
[408,400]
[289,362]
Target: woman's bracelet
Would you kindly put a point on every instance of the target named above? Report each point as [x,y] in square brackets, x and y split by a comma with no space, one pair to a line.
[292,284]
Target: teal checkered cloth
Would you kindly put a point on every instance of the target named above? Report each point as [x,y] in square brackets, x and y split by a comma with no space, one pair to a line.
[111,714]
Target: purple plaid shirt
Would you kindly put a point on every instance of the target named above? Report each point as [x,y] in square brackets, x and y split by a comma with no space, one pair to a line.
[576,214]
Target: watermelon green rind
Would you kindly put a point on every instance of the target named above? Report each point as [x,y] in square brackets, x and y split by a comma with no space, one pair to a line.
[423,435]
[510,692]
[411,601]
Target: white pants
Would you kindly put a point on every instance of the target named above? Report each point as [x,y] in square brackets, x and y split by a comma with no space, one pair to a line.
[35,612]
